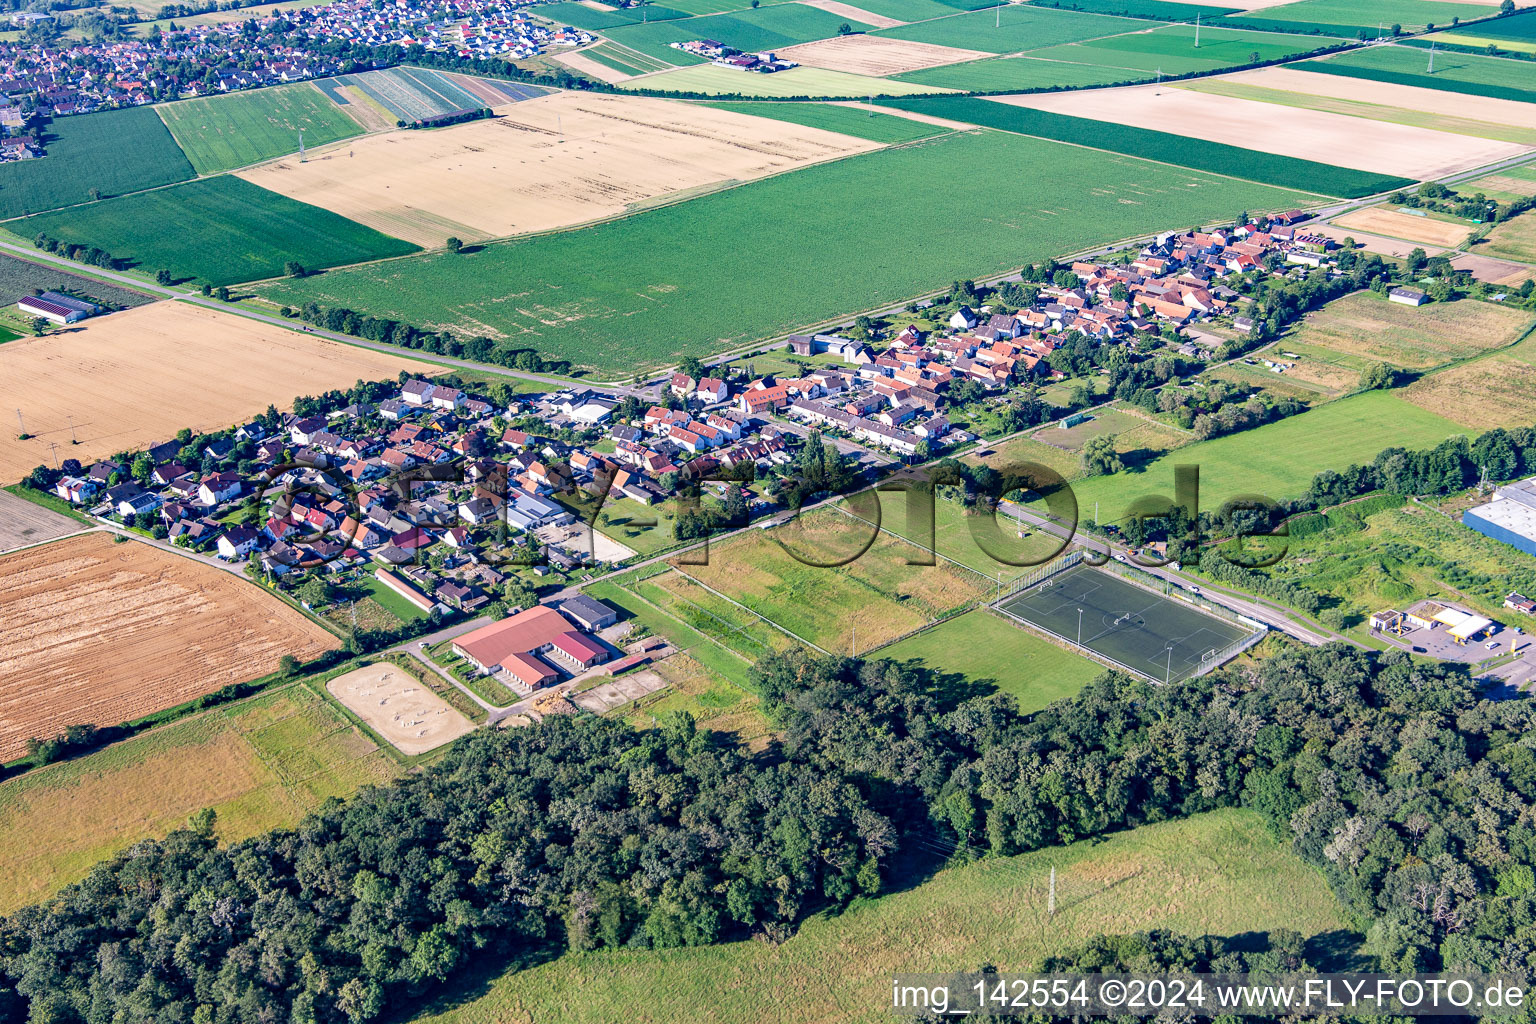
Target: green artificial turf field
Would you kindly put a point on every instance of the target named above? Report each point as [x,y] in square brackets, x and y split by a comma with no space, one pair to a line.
[93,156]
[827,240]
[220,133]
[222,230]
[1159,637]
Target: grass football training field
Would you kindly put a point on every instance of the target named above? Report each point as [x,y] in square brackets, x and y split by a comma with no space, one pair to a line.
[1160,637]
[986,649]
[91,156]
[222,230]
[828,240]
[220,133]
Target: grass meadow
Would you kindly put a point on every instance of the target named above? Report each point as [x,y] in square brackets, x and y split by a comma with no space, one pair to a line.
[1515,239]
[721,659]
[623,296]
[1365,328]
[985,648]
[220,133]
[862,124]
[222,230]
[91,156]
[1279,459]
[715,704]
[1183,150]
[260,764]
[1217,874]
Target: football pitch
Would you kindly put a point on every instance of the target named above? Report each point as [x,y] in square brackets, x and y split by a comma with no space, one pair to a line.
[1159,637]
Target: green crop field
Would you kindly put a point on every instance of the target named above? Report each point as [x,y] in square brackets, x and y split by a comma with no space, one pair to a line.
[221,230]
[1211,874]
[93,155]
[1015,28]
[1280,459]
[1171,49]
[984,647]
[999,74]
[1188,151]
[801,82]
[260,764]
[1514,33]
[912,10]
[220,133]
[1412,15]
[1498,77]
[623,295]
[592,20]
[861,124]
[1159,10]
[765,28]
[710,6]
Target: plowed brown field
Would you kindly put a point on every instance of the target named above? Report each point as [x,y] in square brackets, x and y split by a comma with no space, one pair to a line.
[98,632]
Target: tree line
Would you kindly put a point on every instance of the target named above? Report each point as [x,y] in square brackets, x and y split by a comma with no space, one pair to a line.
[394,332]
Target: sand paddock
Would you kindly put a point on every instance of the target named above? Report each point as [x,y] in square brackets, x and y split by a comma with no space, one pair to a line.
[1383,220]
[135,378]
[853,13]
[98,633]
[398,707]
[1378,146]
[551,162]
[876,55]
[1387,94]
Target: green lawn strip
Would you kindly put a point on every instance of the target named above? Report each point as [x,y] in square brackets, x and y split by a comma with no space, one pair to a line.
[222,230]
[1186,151]
[863,124]
[392,602]
[51,502]
[983,647]
[220,133]
[92,156]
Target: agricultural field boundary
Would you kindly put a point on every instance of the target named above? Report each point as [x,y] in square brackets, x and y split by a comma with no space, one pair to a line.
[1163,147]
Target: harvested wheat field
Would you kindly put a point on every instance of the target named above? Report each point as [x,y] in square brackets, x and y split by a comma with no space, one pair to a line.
[876,56]
[853,13]
[134,378]
[398,707]
[1451,105]
[99,633]
[1383,220]
[1494,271]
[1343,141]
[552,162]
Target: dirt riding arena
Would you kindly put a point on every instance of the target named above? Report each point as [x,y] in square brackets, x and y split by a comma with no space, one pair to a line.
[399,708]
[1383,220]
[1494,271]
[135,378]
[551,162]
[98,632]
[1387,94]
[875,56]
[629,687]
[1380,146]
[23,523]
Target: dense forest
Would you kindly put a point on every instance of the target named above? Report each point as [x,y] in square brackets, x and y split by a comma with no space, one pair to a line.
[1411,794]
